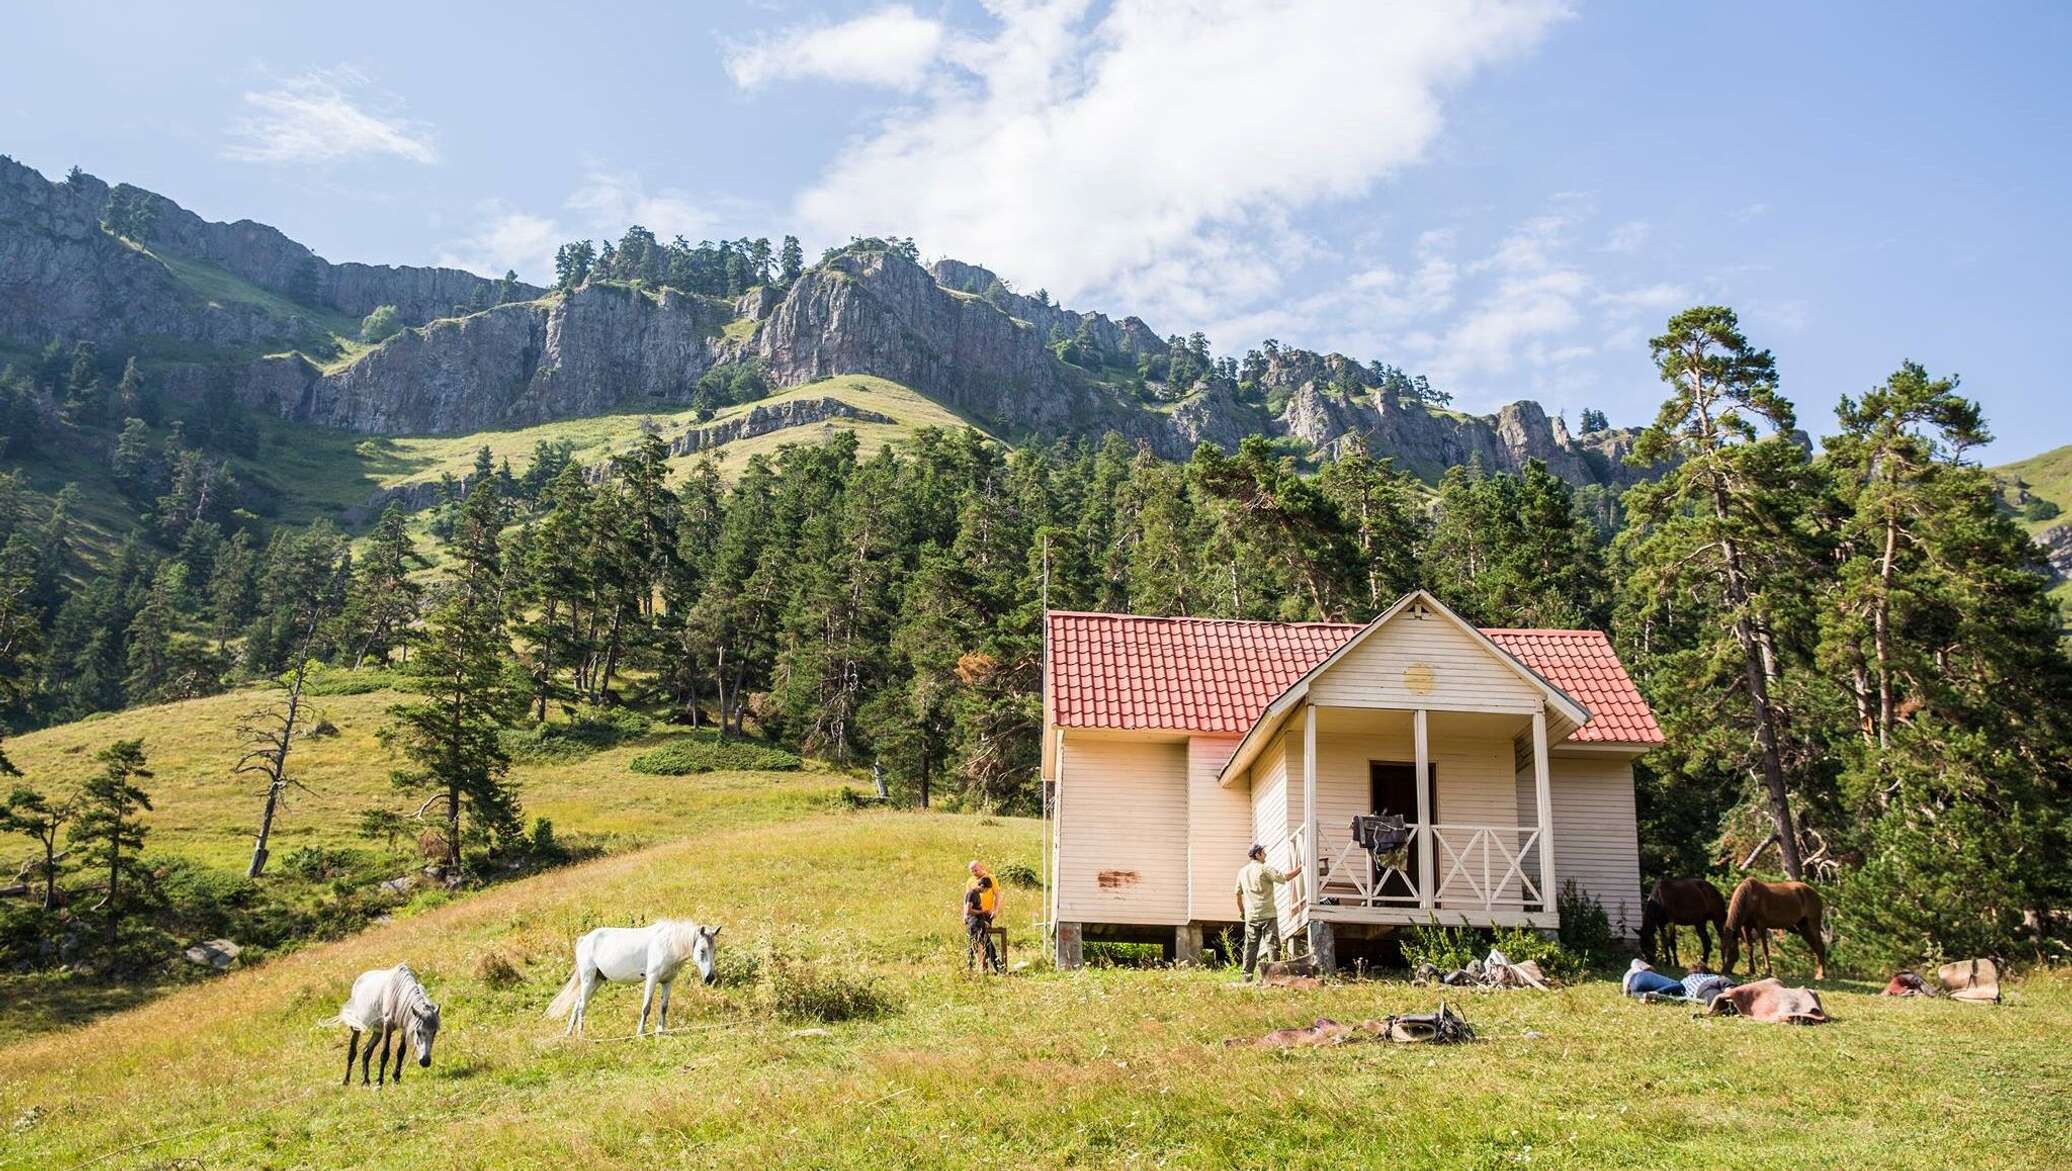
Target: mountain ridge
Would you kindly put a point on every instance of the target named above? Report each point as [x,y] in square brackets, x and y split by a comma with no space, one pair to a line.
[241,306]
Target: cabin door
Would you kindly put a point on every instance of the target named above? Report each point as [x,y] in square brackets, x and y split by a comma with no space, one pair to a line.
[1392,785]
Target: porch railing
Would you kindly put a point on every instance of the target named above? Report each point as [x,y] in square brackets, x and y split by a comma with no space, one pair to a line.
[1474,867]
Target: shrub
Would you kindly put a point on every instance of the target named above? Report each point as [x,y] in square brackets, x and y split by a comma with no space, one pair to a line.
[343,681]
[687,756]
[1585,930]
[1445,948]
[1110,954]
[1019,874]
[495,970]
[382,324]
[586,731]
[1520,944]
[2040,509]
[796,990]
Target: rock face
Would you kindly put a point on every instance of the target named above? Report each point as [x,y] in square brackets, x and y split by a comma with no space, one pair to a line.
[63,277]
[952,331]
[2056,543]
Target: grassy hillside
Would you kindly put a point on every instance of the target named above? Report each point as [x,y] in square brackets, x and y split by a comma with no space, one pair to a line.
[1098,1068]
[205,813]
[308,472]
[2045,477]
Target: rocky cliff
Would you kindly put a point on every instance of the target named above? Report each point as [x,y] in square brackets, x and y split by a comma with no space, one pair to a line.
[953,331]
[62,276]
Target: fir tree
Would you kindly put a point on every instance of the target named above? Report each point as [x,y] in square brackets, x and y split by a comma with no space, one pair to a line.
[109,829]
[468,692]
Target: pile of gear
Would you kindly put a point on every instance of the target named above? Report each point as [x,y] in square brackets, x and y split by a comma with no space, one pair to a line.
[1762,1000]
[1444,1027]
[1495,971]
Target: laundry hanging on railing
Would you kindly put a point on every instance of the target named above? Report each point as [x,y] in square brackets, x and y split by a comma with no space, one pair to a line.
[1386,837]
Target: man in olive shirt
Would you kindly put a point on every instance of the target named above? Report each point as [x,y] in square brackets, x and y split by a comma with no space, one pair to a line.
[1255,883]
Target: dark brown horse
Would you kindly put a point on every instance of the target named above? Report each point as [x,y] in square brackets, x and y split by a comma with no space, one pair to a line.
[1682,902]
[1759,907]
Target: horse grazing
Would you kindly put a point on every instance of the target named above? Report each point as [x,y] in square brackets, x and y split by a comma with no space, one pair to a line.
[1757,907]
[391,1004]
[655,953]
[1681,902]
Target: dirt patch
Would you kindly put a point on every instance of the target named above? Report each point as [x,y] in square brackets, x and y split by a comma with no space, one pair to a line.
[1116,879]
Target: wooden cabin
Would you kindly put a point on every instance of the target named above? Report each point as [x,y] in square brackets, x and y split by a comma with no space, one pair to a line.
[1172,744]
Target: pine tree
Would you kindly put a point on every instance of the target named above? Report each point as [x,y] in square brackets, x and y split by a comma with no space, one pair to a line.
[109,829]
[41,819]
[791,260]
[468,691]
[383,599]
[1723,528]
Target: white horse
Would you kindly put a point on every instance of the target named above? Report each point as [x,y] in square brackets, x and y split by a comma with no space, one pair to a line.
[655,953]
[387,1002]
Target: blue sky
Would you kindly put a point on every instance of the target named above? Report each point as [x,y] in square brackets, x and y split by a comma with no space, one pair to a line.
[1508,196]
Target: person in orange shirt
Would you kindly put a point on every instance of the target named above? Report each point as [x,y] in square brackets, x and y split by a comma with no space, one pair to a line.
[981,903]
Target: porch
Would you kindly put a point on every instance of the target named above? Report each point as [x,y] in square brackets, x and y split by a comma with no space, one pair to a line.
[1480,851]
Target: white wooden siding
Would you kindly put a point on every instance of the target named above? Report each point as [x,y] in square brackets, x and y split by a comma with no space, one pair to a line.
[1428,663]
[1597,835]
[1276,806]
[1123,831]
[1219,827]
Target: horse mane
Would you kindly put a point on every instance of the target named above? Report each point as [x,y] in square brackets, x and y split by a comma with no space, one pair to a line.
[1737,906]
[681,936]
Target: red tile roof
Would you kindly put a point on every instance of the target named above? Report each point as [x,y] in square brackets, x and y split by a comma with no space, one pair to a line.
[1583,663]
[1217,675]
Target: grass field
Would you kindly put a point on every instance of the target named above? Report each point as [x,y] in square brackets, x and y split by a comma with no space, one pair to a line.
[1095,1068]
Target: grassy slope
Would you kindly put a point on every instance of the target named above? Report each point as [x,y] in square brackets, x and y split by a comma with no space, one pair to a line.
[205,814]
[2049,477]
[1093,1068]
[315,471]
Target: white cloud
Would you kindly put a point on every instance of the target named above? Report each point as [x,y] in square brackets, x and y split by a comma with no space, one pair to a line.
[1627,237]
[609,202]
[890,47]
[507,240]
[1752,211]
[1155,153]
[312,119]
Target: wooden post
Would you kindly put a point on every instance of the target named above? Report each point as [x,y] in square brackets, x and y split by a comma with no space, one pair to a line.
[1543,790]
[1428,839]
[1312,863]
[1187,944]
[1323,947]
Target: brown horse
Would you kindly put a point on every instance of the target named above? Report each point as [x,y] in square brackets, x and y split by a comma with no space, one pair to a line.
[1758,907]
[1681,902]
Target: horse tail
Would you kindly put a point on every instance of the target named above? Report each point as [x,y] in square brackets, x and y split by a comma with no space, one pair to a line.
[565,1000]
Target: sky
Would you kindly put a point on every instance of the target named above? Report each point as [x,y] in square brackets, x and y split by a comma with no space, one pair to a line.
[1510,196]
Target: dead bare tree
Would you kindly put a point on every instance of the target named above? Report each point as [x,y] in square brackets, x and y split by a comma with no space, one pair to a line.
[269,733]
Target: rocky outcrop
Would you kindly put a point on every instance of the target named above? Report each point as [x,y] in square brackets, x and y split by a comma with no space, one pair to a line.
[768,418]
[599,349]
[62,276]
[1129,337]
[2056,543]
[879,313]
